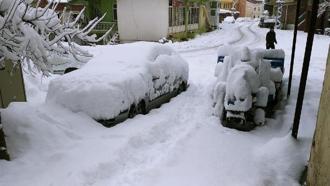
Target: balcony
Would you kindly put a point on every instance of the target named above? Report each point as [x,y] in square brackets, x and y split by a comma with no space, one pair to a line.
[104,27]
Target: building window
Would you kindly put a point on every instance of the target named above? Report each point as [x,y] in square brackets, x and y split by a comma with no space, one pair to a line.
[114,11]
[214,4]
[213,12]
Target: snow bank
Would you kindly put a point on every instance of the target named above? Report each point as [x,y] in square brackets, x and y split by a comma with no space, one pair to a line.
[117,77]
[39,129]
[289,158]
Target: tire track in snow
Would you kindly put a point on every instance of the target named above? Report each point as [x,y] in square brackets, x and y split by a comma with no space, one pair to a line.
[248,37]
[145,150]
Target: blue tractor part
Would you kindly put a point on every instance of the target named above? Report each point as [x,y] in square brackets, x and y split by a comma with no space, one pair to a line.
[276,62]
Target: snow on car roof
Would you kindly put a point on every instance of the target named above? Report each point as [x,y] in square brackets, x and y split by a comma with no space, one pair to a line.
[115,78]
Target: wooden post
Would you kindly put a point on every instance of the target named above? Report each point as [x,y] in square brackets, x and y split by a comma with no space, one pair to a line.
[319,164]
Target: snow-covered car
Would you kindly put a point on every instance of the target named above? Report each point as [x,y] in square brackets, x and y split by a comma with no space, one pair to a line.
[267,22]
[248,85]
[122,81]
[64,64]
[229,19]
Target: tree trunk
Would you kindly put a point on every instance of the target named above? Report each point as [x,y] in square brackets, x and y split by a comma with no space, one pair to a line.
[201,22]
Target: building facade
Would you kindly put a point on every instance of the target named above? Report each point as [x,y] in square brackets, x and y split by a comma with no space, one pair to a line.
[250,8]
[161,19]
[254,8]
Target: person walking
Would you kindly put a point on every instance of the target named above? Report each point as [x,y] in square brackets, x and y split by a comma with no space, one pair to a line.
[271,39]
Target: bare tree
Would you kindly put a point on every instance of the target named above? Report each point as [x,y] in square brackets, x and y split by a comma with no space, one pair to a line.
[30,33]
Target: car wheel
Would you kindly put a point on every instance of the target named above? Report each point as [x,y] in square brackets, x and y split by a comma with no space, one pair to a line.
[182,87]
[141,108]
[132,112]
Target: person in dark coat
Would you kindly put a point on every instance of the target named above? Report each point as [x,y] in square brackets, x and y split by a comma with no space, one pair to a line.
[271,39]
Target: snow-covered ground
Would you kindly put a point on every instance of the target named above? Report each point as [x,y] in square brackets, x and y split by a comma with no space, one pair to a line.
[181,143]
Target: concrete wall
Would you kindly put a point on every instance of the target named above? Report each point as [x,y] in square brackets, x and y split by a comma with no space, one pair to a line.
[11,89]
[11,85]
[319,164]
[142,19]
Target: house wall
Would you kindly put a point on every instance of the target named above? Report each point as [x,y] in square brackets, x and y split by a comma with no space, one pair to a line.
[254,9]
[241,7]
[319,163]
[143,20]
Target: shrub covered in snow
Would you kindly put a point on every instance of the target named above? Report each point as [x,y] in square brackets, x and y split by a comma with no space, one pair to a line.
[31,33]
[119,76]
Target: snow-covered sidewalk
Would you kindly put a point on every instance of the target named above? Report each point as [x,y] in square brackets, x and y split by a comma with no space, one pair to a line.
[181,143]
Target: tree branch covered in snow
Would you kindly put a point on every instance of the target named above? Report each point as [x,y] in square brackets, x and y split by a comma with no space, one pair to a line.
[31,34]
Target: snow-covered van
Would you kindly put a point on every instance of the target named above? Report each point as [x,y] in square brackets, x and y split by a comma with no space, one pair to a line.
[248,85]
[121,81]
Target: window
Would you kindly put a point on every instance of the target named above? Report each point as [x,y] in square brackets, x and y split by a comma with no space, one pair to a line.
[114,11]
[213,12]
[214,4]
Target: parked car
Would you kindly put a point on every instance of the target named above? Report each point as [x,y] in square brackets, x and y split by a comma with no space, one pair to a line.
[65,64]
[122,81]
[267,22]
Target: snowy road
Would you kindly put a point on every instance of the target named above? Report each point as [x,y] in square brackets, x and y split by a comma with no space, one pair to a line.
[181,143]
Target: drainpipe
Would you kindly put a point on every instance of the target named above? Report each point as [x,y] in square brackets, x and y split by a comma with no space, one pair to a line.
[294,45]
[304,74]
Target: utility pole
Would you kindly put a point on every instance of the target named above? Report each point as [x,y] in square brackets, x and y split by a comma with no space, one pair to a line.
[294,46]
[304,73]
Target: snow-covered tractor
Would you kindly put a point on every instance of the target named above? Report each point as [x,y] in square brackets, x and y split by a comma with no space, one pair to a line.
[248,85]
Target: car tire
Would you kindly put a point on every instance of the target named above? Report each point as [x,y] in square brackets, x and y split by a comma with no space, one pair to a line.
[141,107]
[132,111]
[182,87]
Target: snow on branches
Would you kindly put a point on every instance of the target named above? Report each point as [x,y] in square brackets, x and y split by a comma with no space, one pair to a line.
[30,33]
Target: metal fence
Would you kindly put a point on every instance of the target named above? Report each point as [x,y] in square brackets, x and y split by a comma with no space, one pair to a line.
[177,19]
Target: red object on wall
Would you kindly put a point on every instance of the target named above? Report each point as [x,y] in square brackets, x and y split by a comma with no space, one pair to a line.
[177,3]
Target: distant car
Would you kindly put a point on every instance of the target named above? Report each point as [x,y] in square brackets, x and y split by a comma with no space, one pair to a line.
[122,81]
[267,22]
